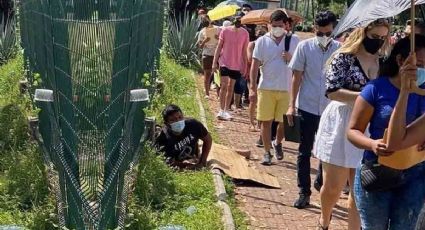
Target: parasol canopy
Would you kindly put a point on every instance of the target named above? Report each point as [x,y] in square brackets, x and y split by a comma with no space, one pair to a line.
[234,2]
[363,12]
[223,11]
[260,17]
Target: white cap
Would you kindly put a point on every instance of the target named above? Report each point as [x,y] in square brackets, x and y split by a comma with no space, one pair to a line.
[227,23]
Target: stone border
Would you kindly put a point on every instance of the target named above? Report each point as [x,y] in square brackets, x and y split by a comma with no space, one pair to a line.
[220,190]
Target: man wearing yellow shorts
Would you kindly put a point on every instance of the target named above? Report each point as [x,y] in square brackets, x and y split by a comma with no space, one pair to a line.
[271,57]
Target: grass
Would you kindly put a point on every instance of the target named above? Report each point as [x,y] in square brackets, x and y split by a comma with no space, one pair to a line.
[163,196]
[24,196]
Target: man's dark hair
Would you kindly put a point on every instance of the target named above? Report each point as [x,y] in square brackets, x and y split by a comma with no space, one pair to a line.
[170,110]
[247,6]
[279,15]
[325,18]
[389,67]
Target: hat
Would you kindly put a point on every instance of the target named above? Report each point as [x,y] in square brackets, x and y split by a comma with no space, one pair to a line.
[227,23]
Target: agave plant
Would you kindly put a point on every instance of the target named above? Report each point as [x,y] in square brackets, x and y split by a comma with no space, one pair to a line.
[181,39]
[8,40]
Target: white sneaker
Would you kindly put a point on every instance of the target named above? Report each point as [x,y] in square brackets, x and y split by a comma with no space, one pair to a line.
[227,116]
[220,114]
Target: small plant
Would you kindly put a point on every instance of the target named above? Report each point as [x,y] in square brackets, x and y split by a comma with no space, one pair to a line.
[181,40]
[8,40]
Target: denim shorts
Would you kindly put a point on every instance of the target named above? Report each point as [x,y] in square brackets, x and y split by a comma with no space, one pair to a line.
[396,209]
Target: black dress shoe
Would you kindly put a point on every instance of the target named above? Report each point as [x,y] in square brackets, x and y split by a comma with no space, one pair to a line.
[302,201]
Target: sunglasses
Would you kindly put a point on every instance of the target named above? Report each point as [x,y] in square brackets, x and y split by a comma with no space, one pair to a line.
[321,34]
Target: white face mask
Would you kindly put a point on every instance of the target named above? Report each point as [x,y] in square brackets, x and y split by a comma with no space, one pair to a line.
[277,32]
[178,126]
[324,41]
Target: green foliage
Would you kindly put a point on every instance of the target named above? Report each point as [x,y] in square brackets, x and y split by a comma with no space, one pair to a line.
[26,177]
[161,195]
[155,180]
[14,129]
[179,89]
[8,40]
[10,74]
[181,39]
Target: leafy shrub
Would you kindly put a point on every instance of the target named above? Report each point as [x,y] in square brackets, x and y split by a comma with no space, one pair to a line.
[8,40]
[26,177]
[181,39]
[13,127]
[155,180]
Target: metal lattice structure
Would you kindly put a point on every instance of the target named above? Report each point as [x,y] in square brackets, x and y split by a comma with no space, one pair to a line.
[91,56]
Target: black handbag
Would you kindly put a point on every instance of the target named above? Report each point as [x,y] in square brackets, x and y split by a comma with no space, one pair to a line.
[378,178]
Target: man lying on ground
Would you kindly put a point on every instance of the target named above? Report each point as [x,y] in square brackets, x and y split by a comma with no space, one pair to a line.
[179,139]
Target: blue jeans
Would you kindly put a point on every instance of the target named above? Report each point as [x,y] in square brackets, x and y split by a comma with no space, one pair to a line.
[394,209]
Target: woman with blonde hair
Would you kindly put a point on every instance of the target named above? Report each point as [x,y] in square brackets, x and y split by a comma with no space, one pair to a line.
[349,70]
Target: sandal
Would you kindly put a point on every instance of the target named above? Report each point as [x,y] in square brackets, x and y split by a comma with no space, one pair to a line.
[320,226]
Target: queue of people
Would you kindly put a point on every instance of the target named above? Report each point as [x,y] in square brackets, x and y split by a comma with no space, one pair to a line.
[344,93]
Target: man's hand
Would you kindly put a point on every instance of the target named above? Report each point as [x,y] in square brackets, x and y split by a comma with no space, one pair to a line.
[380,148]
[290,115]
[286,57]
[253,96]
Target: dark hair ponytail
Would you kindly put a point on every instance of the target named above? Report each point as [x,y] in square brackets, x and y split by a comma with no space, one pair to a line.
[389,66]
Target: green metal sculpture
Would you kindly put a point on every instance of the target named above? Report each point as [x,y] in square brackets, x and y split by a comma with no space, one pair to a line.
[91,56]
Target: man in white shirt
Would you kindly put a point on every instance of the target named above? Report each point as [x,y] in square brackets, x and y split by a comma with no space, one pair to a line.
[272,58]
[308,94]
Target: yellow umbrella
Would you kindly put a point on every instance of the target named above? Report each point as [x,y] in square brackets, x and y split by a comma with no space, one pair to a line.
[221,12]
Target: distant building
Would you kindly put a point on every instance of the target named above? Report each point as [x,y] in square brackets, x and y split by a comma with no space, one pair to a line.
[265,4]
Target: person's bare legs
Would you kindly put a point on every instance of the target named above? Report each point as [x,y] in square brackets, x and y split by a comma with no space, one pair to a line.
[252,107]
[237,100]
[280,133]
[229,94]
[207,81]
[266,134]
[353,213]
[334,180]
[224,81]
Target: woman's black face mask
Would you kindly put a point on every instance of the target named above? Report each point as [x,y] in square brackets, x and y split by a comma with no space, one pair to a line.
[372,45]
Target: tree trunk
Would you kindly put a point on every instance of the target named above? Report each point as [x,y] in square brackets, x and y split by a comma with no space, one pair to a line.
[296,5]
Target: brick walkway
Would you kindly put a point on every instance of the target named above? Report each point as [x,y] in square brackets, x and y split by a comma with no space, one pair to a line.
[273,208]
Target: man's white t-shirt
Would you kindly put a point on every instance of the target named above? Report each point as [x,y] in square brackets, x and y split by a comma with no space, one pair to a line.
[275,73]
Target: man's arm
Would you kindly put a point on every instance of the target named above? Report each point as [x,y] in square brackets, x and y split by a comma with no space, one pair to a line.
[293,94]
[206,148]
[255,65]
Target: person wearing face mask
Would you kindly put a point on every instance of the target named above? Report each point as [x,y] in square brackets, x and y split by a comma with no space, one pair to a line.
[231,59]
[389,102]
[348,72]
[179,139]
[273,88]
[307,96]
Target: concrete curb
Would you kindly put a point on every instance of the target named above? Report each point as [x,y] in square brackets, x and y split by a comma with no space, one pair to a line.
[220,190]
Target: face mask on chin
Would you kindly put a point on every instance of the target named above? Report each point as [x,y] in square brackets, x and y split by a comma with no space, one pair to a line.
[178,127]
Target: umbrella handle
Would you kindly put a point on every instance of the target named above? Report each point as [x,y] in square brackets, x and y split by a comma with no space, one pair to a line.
[412,26]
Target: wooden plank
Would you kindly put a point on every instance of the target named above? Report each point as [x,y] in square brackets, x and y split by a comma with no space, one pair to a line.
[237,167]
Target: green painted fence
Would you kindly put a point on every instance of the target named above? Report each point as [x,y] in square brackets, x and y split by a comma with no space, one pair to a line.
[91,56]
